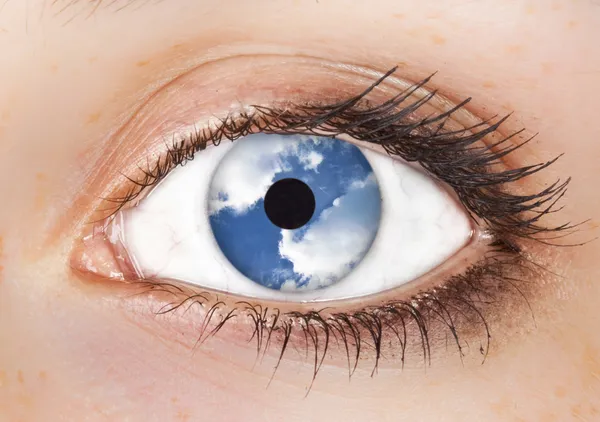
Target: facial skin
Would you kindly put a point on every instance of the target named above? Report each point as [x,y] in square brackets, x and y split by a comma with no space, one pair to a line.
[72,76]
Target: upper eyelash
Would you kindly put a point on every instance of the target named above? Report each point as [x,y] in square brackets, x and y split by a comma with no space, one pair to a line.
[458,158]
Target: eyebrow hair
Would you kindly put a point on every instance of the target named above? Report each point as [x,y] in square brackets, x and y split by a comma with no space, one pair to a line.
[74,9]
[87,8]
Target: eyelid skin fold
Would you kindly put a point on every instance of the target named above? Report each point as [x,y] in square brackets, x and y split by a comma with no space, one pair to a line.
[415,321]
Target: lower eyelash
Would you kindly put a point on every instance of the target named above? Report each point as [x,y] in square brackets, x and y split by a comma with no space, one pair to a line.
[395,329]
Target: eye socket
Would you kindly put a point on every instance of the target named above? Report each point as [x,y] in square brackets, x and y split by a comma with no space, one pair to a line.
[453,147]
[379,223]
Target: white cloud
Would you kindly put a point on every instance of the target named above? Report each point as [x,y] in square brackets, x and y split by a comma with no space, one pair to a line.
[291,286]
[359,184]
[311,160]
[247,171]
[337,240]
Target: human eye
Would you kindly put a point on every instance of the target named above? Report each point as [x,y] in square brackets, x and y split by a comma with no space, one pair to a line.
[291,214]
[416,225]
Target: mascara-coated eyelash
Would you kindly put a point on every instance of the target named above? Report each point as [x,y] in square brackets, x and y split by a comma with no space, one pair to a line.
[458,157]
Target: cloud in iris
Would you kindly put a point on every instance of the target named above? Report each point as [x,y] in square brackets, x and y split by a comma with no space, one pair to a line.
[248,170]
[330,247]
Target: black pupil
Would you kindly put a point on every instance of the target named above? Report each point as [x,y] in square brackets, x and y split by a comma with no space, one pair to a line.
[289,203]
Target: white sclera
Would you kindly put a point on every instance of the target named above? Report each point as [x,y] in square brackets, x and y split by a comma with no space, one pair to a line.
[168,235]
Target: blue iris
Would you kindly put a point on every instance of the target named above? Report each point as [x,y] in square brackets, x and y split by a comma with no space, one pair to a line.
[333,241]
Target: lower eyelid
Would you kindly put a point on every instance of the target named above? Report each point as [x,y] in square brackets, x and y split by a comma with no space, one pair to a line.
[457,318]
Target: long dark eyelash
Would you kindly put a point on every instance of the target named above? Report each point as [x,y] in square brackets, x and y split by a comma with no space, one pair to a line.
[458,158]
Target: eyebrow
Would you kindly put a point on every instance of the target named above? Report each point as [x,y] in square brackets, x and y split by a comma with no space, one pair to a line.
[89,7]
[74,9]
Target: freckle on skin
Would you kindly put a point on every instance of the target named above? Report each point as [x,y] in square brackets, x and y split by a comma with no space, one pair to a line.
[142,63]
[514,48]
[530,10]
[20,377]
[572,24]
[182,416]
[489,84]
[92,59]
[42,376]
[398,15]
[560,392]
[547,68]
[591,360]
[93,118]
[438,39]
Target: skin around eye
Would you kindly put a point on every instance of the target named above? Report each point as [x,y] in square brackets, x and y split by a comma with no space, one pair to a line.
[74,346]
[408,121]
[452,311]
[168,234]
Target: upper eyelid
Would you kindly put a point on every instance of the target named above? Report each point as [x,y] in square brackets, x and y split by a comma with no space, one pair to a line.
[351,77]
[118,151]
[273,119]
[182,101]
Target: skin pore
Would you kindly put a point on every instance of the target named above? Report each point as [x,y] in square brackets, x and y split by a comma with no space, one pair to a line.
[84,88]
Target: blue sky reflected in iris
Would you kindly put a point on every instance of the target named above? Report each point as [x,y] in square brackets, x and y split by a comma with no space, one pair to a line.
[345,222]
